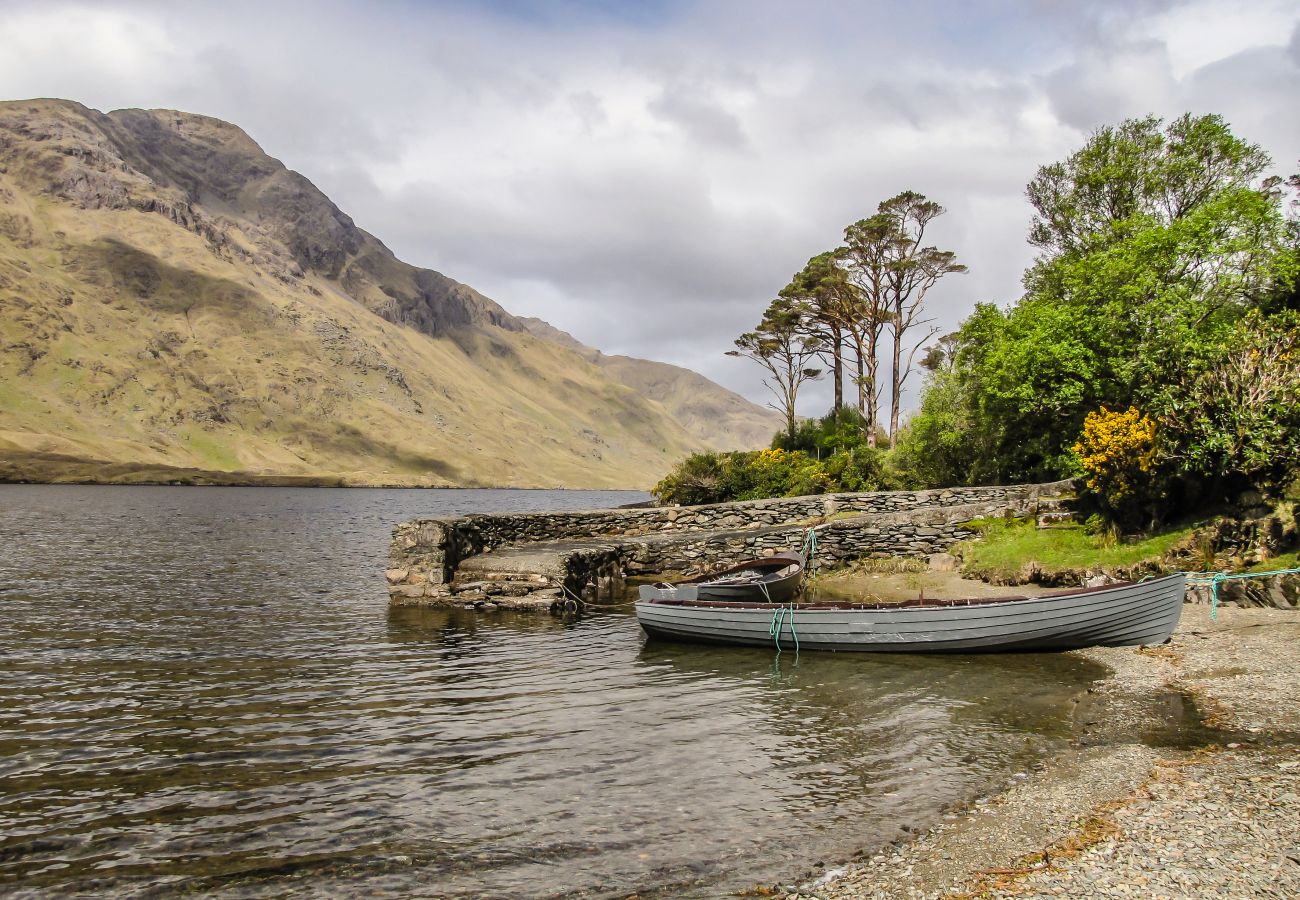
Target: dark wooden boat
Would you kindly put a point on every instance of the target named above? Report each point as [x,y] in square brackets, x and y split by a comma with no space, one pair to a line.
[766,580]
[1116,615]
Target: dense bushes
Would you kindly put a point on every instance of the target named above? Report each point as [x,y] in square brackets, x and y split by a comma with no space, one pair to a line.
[778,472]
[1166,283]
[1118,452]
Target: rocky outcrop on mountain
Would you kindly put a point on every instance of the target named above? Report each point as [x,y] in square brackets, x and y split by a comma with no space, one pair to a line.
[175,300]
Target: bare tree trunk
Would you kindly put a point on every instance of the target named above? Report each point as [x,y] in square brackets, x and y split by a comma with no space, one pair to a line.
[862,397]
[866,398]
[896,381]
[837,363]
[872,385]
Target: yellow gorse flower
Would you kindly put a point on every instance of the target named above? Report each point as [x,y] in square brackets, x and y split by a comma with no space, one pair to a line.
[1115,448]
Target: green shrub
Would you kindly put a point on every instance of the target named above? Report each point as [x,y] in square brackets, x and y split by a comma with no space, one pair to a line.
[720,477]
[838,431]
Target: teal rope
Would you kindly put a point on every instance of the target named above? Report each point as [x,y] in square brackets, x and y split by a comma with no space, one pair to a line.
[774,627]
[783,615]
[1212,580]
[809,547]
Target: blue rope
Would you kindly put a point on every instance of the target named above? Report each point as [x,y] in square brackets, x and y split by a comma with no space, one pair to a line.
[1212,580]
[783,615]
[809,548]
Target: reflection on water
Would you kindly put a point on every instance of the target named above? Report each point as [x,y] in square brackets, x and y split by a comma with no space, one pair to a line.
[206,691]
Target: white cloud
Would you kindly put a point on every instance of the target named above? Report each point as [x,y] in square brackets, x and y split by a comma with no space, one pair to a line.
[649,182]
[1198,34]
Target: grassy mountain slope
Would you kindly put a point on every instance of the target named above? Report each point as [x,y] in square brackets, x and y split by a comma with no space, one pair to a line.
[173,302]
[713,414]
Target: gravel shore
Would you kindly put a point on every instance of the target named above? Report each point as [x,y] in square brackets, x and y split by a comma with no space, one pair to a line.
[1145,805]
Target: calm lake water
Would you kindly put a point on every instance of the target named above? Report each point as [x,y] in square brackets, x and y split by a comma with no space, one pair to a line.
[205,691]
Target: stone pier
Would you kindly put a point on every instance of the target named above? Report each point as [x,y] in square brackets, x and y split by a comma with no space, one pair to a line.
[540,560]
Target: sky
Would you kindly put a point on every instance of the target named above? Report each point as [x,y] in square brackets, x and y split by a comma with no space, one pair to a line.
[647,176]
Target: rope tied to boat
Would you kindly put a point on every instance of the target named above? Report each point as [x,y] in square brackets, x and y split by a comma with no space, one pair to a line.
[1212,580]
[784,615]
[809,548]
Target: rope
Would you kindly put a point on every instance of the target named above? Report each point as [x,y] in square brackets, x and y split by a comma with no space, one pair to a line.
[1212,580]
[572,602]
[783,615]
[809,548]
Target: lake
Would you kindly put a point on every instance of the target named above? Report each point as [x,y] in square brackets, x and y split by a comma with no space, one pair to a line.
[204,690]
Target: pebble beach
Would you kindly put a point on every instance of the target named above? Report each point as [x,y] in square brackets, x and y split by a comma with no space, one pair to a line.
[1143,804]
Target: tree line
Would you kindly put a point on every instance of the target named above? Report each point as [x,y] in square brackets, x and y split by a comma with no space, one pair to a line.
[1155,349]
[849,305]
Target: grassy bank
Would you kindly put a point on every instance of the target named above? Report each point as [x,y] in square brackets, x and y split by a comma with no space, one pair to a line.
[1015,552]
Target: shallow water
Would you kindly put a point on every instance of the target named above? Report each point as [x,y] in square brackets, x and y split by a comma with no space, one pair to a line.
[204,690]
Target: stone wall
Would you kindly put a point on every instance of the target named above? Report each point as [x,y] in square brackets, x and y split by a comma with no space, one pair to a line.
[917,532]
[485,532]
[451,540]
[588,553]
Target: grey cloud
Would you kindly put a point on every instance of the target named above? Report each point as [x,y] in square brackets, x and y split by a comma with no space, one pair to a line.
[1254,87]
[700,117]
[598,173]
[619,234]
[589,109]
[1112,84]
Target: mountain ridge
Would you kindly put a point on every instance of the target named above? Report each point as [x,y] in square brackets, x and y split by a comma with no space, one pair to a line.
[196,290]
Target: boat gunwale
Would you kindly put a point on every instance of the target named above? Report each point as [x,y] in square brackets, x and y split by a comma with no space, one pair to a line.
[913,605]
[785,559]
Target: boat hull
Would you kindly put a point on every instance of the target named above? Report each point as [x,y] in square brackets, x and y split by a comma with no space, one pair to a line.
[1120,615]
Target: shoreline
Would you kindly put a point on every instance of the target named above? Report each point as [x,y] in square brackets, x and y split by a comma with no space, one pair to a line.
[1136,805]
[126,475]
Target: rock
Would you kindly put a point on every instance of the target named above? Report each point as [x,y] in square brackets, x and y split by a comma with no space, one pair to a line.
[396,576]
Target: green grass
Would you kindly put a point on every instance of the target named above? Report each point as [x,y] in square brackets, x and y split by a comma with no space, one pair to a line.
[1272,564]
[214,452]
[1005,548]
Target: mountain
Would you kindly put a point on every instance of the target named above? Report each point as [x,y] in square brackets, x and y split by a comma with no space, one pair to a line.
[177,305]
[720,418]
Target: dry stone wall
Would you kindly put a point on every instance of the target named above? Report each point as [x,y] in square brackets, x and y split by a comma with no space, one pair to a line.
[588,554]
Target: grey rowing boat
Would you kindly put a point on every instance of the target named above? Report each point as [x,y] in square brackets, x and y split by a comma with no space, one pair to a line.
[769,579]
[1116,615]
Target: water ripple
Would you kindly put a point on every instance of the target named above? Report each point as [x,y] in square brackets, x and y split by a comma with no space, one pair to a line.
[206,691]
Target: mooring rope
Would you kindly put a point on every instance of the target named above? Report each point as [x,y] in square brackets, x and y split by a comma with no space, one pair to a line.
[783,616]
[1212,580]
[809,547]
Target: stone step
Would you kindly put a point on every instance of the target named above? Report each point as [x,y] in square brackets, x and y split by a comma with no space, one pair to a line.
[1058,519]
[510,587]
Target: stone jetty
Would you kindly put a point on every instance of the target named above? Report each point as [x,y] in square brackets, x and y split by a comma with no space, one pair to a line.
[540,560]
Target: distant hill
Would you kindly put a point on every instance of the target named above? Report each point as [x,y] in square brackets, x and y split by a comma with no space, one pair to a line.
[718,417]
[177,305]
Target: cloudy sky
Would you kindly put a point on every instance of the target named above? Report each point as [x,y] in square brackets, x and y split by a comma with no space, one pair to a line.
[648,175]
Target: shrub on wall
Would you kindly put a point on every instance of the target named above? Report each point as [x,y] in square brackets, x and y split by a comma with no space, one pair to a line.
[721,477]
